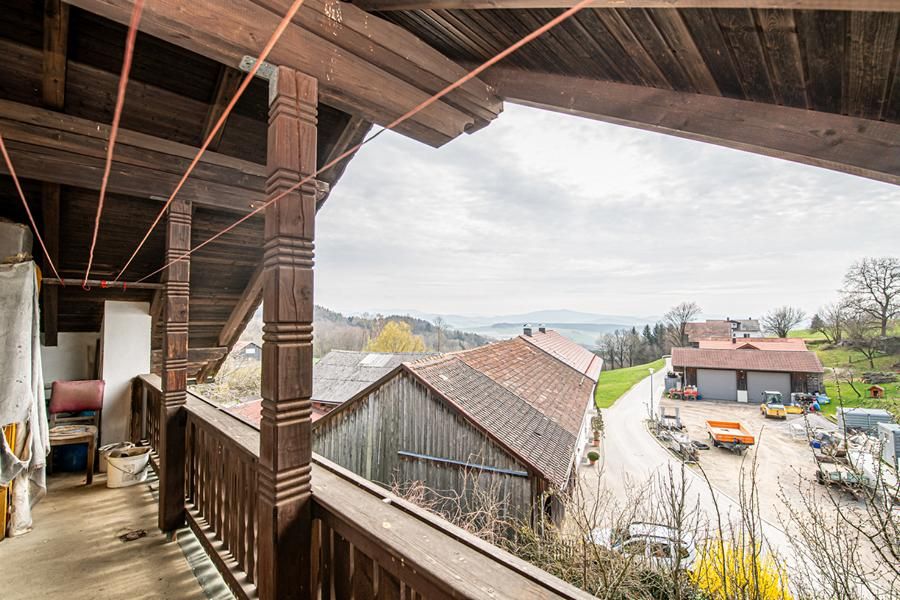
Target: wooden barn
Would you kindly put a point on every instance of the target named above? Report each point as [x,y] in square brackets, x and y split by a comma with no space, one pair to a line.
[509,419]
[812,81]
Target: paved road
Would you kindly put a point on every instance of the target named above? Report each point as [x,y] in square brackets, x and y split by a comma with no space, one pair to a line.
[630,453]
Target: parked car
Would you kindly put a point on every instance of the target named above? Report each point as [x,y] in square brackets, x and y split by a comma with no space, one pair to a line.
[659,545]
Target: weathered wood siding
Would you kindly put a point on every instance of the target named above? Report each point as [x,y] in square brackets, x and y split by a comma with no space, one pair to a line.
[403,416]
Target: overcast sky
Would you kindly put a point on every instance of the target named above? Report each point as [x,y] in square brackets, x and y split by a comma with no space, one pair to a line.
[547,211]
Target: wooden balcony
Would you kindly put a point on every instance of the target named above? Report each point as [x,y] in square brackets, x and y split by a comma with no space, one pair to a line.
[365,542]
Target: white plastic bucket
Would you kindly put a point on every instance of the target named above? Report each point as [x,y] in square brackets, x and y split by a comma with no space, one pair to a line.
[127,467]
[107,449]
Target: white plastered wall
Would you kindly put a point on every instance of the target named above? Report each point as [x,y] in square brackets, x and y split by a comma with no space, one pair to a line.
[125,353]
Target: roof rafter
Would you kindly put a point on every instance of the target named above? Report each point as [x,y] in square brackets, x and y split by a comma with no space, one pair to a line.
[862,147]
[862,5]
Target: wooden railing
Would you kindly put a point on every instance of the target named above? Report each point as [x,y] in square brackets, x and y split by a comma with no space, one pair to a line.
[366,543]
[221,491]
[146,396]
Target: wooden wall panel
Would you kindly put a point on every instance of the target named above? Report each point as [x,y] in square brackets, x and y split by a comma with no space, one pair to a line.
[402,415]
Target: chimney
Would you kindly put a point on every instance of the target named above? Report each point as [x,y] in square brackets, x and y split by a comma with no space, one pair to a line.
[526,329]
[542,329]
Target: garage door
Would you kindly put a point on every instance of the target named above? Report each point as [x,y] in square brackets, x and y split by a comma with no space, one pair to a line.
[717,385]
[761,381]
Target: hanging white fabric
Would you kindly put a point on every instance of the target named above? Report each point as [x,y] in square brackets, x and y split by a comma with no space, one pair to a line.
[22,392]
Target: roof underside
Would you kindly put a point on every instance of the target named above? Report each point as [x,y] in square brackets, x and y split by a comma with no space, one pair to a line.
[170,95]
[823,60]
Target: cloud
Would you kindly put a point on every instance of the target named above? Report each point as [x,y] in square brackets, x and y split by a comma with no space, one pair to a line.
[545,210]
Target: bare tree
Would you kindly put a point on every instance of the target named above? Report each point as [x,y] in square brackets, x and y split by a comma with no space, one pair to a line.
[441,326]
[677,319]
[862,335]
[782,320]
[872,286]
[831,321]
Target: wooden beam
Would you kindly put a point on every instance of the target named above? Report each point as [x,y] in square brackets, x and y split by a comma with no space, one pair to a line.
[53,95]
[59,148]
[866,5]
[246,305]
[363,62]
[352,134]
[56,40]
[50,194]
[173,418]
[226,86]
[860,147]
[285,453]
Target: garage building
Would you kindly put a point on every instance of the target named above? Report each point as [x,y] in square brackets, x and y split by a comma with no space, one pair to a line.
[743,374]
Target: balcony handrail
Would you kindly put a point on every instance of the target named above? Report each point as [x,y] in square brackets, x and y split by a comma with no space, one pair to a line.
[408,544]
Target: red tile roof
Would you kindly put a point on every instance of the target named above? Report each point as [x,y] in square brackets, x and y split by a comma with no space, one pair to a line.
[747,360]
[707,329]
[780,344]
[579,358]
[527,398]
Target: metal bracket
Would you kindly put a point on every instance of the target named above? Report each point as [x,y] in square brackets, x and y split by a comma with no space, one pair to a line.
[266,71]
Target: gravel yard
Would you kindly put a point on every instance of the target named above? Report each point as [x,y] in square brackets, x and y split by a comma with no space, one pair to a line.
[780,457]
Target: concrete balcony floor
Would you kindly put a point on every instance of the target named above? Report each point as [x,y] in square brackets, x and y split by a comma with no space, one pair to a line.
[74,550]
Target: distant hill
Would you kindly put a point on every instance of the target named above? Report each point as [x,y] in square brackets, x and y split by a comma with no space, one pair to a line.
[554,316]
[335,331]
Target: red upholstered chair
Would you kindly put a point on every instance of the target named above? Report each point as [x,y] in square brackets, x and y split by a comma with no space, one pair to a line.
[76,397]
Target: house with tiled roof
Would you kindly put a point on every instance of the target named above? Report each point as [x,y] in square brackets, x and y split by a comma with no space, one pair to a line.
[742,374]
[722,328]
[511,418]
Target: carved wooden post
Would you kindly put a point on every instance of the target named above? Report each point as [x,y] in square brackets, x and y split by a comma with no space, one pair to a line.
[172,418]
[285,448]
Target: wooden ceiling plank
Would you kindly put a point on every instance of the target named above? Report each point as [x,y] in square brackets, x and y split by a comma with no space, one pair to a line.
[589,63]
[647,70]
[217,30]
[863,147]
[672,27]
[715,51]
[595,52]
[871,52]
[63,149]
[547,46]
[739,29]
[645,30]
[493,27]
[857,5]
[782,46]
[823,40]
[891,110]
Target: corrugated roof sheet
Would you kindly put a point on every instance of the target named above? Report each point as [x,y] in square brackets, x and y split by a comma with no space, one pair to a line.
[340,374]
[747,360]
[530,400]
[579,358]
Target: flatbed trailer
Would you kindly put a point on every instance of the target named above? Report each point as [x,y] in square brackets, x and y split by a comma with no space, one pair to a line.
[731,435]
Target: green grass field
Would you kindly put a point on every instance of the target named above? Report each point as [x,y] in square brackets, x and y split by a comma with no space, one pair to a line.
[614,383]
[845,358]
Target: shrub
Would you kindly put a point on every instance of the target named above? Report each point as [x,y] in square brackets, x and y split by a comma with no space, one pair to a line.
[593,456]
[725,570]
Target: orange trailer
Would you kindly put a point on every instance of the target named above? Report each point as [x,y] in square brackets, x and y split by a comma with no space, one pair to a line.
[729,434]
